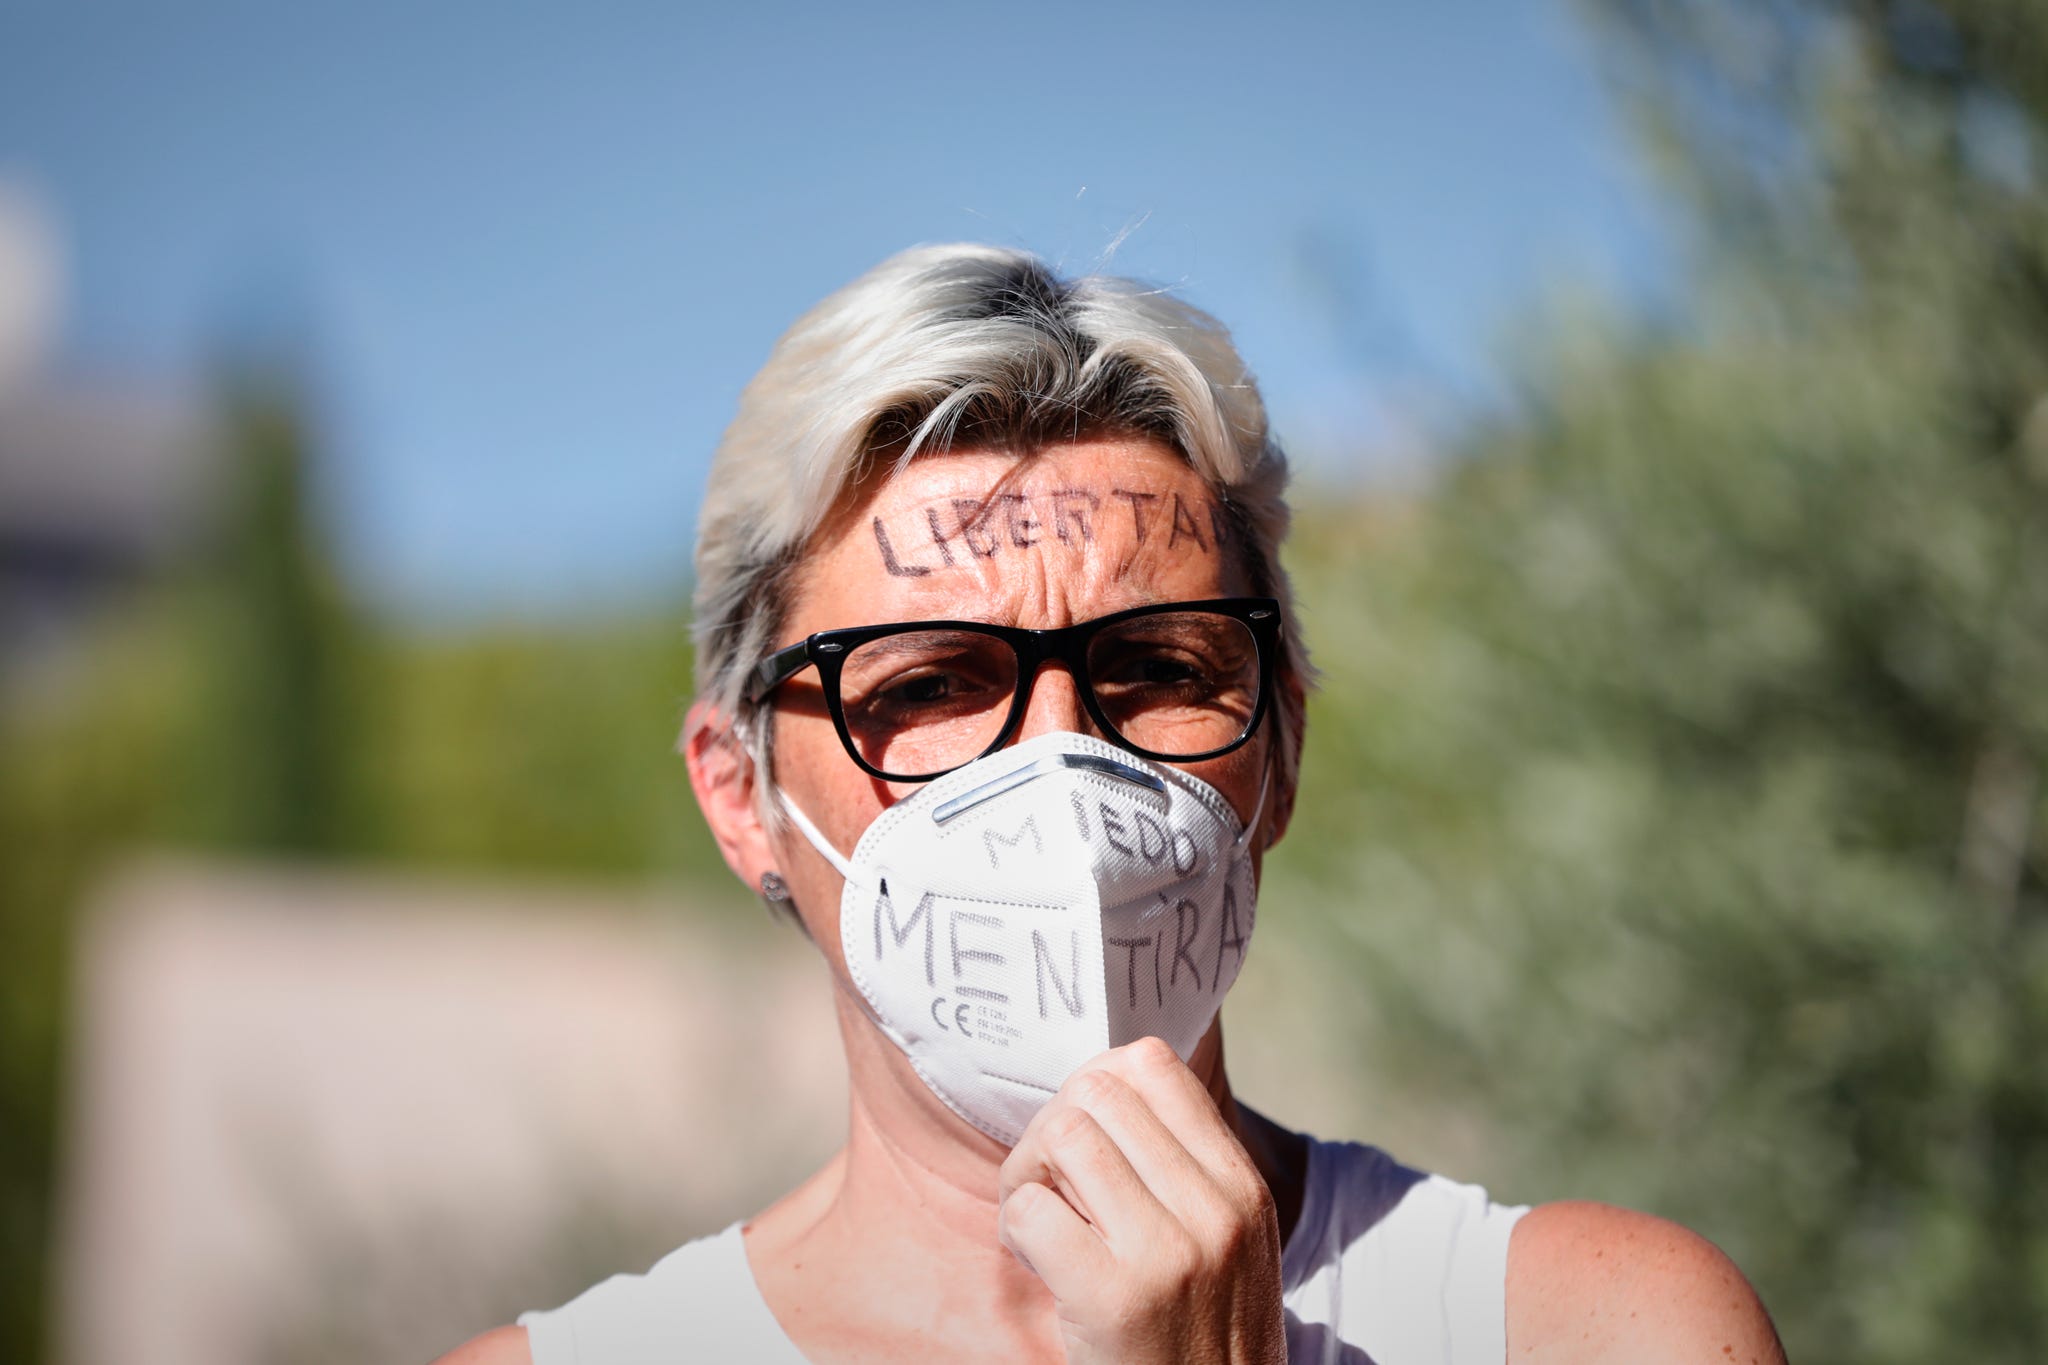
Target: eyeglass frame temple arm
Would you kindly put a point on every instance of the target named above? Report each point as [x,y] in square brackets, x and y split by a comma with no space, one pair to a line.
[778,668]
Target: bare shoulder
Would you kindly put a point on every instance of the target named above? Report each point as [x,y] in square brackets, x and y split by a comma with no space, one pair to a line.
[1589,1283]
[499,1346]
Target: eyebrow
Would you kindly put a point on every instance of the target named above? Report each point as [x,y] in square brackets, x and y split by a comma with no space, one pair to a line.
[899,644]
[1149,598]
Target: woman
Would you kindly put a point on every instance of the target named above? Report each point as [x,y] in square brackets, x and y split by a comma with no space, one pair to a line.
[1001,696]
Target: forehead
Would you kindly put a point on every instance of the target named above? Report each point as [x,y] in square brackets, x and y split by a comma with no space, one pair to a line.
[1061,534]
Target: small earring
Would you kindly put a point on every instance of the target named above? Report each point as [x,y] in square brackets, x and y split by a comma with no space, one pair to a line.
[773,888]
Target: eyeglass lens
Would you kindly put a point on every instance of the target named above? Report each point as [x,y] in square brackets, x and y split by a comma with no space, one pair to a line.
[1178,684]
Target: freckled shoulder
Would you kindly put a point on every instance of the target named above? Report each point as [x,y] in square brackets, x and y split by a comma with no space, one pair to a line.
[499,1346]
[1590,1283]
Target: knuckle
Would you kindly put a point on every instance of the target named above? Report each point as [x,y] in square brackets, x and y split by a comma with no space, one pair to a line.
[1265,1208]
[1017,1214]
[1068,1127]
[1092,1087]
[1022,1201]
[1181,1261]
[1235,1236]
[1249,1195]
[1152,1055]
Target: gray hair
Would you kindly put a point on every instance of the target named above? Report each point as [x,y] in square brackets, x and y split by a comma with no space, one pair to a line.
[968,346]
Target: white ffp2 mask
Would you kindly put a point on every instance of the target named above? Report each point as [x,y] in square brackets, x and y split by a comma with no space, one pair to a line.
[1019,915]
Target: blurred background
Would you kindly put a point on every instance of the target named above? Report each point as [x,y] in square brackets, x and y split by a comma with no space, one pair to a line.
[1667,382]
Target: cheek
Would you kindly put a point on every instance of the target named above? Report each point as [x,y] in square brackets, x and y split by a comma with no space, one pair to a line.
[1238,775]
[814,887]
[811,765]
[814,772]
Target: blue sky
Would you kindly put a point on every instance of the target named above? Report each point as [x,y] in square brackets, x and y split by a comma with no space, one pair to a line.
[536,252]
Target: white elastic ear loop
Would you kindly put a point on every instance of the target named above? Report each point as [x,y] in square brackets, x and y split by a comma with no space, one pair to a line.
[811,832]
[831,855]
[1251,826]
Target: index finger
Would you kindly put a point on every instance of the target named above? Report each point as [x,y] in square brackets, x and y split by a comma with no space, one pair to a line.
[1152,1068]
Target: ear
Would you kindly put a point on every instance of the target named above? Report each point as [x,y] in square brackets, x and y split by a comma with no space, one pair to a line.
[722,775]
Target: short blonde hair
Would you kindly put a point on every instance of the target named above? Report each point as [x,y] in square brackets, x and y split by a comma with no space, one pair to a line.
[969,346]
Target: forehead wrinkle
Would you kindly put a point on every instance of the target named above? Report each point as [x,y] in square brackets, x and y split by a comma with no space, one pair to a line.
[1040,590]
[851,582]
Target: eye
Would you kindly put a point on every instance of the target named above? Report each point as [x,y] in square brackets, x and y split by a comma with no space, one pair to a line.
[1153,666]
[908,677]
[1166,671]
[923,690]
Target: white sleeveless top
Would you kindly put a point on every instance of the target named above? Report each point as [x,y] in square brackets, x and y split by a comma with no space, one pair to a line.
[1387,1266]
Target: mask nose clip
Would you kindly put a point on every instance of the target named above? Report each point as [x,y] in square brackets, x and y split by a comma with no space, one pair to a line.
[1039,767]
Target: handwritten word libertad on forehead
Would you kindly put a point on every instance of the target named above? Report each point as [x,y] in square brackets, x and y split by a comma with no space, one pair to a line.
[959,531]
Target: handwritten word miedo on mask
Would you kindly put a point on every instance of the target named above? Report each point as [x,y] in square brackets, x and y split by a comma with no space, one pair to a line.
[962,530]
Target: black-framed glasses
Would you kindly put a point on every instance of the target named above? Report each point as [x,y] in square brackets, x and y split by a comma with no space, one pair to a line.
[1177,681]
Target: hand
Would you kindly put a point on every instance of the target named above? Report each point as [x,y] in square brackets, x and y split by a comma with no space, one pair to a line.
[1144,1215]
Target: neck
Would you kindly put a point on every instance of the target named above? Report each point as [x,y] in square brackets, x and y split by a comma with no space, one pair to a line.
[911,1164]
[898,1232]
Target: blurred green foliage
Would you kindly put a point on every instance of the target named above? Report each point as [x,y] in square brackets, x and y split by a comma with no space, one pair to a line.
[1676,791]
